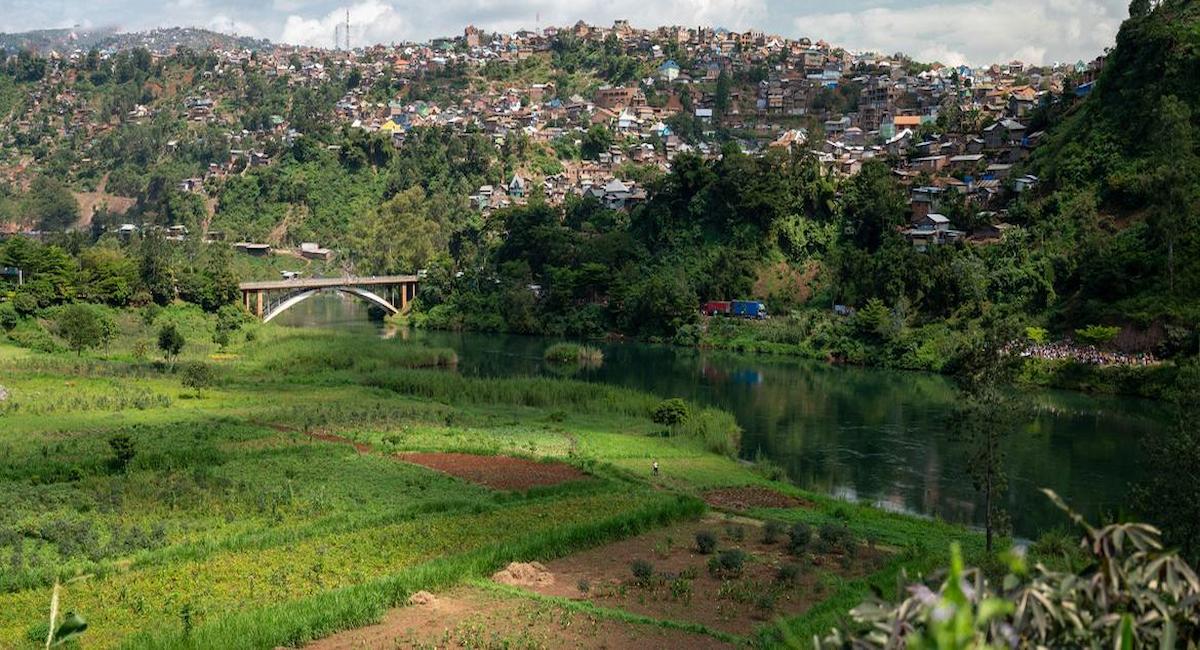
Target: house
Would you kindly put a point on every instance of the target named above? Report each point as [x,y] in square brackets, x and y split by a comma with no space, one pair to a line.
[931,230]
[313,251]
[929,163]
[1005,133]
[668,71]
[704,114]
[966,162]
[257,250]
[516,187]
[191,185]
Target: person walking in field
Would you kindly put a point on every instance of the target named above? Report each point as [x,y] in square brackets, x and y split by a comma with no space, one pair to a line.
[655,468]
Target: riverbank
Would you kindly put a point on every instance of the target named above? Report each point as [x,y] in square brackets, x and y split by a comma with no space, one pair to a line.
[932,348]
[280,501]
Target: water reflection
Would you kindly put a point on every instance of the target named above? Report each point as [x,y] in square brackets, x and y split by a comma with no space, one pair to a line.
[871,435]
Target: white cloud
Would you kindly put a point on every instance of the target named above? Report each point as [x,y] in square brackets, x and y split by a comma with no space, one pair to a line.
[372,21]
[977,31]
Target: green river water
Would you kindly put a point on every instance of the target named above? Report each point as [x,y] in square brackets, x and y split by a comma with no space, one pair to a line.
[869,435]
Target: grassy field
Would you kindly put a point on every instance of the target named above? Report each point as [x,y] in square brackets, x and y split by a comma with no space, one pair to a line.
[187,517]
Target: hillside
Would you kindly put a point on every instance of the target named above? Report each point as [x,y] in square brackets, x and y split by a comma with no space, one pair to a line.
[1123,172]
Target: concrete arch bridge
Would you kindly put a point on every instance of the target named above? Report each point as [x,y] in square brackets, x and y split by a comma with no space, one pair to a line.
[271,298]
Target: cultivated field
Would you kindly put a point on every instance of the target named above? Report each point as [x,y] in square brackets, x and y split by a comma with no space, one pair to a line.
[319,480]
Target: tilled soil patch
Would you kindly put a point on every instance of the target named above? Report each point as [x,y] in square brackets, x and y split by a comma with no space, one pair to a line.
[746,498]
[496,472]
[677,584]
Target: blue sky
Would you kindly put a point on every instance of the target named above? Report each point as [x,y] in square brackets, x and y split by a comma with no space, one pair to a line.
[951,31]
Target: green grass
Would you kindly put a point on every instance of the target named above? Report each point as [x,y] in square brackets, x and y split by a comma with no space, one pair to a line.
[230,503]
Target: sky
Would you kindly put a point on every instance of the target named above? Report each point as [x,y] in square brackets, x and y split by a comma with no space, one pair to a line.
[953,32]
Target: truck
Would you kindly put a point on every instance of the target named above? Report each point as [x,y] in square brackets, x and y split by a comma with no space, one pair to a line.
[739,308]
[748,309]
[716,308]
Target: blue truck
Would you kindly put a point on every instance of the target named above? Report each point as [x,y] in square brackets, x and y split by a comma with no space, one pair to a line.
[748,309]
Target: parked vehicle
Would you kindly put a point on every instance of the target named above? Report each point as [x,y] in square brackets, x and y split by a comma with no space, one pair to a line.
[716,308]
[739,308]
[748,309]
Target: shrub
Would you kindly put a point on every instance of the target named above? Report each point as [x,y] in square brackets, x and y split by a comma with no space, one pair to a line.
[787,574]
[681,589]
[170,341]
[198,375]
[706,542]
[642,570]
[837,537]
[735,532]
[123,452]
[8,316]
[772,531]
[670,412]
[728,564]
[583,585]
[799,535]
[1096,334]
[1037,335]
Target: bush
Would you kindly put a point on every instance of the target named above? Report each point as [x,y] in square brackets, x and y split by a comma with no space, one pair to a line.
[670,412]
[728,564]
[799,535]
[123,452]
[837,537]
[198,375]
[642,570]
[735,532]
[8,316]
[1096,334]
[583,585]
[772,532]
[787,574]
[706,542]
[1037,335]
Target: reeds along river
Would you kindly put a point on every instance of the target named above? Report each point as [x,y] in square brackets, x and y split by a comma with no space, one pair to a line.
[871,435]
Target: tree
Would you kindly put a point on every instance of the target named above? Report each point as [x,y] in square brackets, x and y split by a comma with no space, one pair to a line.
[399,236]
[170,341]
[985,417]
[721,98]
[85,327]
[198,375]
[595,141]
[155,268]
[873,206]
[51,204]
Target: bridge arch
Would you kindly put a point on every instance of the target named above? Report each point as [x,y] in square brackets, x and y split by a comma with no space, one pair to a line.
[300,296]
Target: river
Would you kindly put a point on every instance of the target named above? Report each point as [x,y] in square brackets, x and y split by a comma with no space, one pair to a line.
[877,436]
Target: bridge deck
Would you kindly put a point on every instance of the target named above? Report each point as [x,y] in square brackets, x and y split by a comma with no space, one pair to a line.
[321,283]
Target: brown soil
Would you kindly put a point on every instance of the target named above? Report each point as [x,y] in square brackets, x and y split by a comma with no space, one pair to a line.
[497,472]
[682,588]
[745,498]
[524,574]
[474,618]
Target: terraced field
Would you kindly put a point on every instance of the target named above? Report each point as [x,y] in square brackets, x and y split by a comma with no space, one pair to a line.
[321,479]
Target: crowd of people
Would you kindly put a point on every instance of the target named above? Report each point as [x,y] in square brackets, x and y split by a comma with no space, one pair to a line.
[1089,354]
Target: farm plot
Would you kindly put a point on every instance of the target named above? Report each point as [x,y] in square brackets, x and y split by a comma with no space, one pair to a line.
[224,582]
[497,472]
[730,575]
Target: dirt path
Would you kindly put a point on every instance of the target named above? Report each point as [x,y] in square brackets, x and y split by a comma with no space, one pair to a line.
[469,617]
